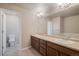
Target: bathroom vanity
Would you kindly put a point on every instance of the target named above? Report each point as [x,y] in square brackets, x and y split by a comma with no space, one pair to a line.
[53,46]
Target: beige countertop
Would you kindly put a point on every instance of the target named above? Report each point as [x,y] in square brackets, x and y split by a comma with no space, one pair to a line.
[60,41]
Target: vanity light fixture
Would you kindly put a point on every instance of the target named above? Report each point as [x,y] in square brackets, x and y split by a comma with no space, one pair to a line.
[39,14]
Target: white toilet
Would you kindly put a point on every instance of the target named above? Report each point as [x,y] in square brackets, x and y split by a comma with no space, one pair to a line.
[12,40]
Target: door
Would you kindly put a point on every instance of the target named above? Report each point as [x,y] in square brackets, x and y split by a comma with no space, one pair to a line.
[9,25]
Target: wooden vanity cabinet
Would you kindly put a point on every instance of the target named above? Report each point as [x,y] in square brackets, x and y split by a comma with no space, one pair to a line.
[47,48]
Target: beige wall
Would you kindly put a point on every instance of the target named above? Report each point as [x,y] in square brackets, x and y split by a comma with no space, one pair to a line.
[71,24]
[32,25]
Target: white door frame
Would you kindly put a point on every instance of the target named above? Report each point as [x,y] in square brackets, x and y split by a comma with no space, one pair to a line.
[3,32]
[0,33]
[20,30]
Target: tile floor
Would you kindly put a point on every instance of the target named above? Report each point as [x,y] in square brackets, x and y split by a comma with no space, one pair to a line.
[27,52]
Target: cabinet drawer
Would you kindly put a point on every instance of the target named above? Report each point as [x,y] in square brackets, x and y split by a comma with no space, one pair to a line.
[52,45]
[35,39]
[42,42]
[51,52]
[43,51]
[43,46]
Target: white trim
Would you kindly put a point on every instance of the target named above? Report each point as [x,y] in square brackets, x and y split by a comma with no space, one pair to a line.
[26,48]
[20,27]
[1,33]
[4,33]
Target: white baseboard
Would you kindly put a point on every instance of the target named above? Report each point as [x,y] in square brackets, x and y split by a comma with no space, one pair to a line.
[25,48]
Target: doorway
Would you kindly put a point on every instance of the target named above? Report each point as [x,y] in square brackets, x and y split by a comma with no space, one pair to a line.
[9,32]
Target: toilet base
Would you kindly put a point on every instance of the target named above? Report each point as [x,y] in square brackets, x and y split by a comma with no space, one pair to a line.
[12,44]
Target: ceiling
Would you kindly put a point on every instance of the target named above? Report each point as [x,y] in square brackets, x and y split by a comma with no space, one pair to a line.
[50,8]
[29,5]
[43,7]
[66,12]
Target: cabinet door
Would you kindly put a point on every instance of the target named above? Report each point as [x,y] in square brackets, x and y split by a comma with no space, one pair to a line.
[32,41]
[63,54]
[43,51]
[35,43]
[51,52]
[37,46]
